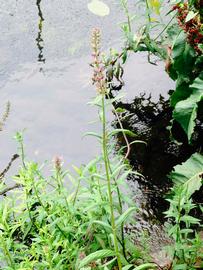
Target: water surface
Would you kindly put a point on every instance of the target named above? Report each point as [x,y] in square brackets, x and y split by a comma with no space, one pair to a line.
[44,73]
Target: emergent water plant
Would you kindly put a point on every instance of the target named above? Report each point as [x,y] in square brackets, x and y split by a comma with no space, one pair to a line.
[71,220]
[187,250]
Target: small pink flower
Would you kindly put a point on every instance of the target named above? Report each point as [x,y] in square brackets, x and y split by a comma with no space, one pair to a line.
[98,78]
[58,162]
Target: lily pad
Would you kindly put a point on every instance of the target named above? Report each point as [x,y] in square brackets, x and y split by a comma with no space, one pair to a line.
[98,8]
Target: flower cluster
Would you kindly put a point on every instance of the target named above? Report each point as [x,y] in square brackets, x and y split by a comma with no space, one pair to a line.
[98,78]
[193,27]
[58,163]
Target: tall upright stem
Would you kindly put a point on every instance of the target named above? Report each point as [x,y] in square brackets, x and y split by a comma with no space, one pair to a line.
[105,154]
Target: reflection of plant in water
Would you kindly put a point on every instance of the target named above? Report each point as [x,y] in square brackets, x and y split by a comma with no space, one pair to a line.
[150,120]
[4,189]
[5,116]
[39,38]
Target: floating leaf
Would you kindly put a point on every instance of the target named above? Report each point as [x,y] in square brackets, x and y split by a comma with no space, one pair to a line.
[98,8]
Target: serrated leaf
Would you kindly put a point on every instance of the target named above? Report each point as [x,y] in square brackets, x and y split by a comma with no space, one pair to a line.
[100,254]
[98,8]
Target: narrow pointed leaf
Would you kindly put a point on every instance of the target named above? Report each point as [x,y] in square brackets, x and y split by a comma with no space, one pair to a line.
[125,216]
[104,253]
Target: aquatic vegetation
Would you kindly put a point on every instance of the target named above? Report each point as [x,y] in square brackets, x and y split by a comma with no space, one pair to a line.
[179,44]
[77,220]
[187,178]
[72,221]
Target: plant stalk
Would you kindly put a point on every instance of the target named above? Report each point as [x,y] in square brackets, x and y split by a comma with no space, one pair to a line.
[105,154]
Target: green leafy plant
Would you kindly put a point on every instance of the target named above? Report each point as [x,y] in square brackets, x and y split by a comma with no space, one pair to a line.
[186,62]
[179,43]
[70,220]
[187,179]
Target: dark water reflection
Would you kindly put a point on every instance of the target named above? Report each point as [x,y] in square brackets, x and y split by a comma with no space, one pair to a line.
[164,149]
[44,73]
[39,38]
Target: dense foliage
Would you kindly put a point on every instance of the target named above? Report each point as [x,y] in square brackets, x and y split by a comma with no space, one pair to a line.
[77,220]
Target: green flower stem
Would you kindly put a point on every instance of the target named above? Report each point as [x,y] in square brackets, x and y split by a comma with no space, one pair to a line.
[125,7]
[105,154]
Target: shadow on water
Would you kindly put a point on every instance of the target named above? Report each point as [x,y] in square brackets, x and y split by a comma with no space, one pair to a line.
[39,39]
[151,121]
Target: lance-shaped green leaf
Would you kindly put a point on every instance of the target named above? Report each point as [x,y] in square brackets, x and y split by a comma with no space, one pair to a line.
[189,174]
[125,216]
[100,254]
[146,266]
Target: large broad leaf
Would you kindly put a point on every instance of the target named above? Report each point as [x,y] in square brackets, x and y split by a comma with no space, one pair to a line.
[182,92]
[183,56]
[189,173]
[99,8]
[181,70]
[186,110]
